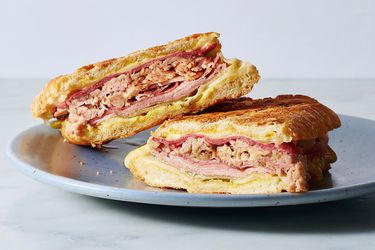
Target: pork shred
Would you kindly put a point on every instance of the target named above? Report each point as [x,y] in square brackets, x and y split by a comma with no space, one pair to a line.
[160,81]
[237,156]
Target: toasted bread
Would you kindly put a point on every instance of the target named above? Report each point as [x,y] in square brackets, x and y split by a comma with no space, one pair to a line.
[273,120]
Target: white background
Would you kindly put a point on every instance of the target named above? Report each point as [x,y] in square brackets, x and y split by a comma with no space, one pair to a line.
[284,39]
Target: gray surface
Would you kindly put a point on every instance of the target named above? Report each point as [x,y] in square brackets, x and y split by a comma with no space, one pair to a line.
[41,153]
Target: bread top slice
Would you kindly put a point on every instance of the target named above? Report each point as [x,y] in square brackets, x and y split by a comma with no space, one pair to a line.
[277,120]
[58,89]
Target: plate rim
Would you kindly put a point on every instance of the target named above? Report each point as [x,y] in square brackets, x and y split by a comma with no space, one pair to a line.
[182,198]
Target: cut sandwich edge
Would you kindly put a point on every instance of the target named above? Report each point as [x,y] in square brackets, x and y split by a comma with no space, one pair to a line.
[237,80]
[58,88]
[145,167]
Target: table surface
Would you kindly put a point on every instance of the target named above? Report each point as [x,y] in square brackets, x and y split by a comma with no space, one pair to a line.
[37,216]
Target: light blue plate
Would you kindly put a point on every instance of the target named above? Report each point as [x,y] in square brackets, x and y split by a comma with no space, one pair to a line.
[40,153]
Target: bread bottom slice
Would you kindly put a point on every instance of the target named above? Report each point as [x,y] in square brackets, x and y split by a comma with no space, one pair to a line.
[153,172]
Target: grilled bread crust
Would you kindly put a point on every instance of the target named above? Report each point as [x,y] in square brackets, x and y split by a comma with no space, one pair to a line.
[285,118]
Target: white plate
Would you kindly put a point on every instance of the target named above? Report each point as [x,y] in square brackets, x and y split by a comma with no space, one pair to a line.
[40,153]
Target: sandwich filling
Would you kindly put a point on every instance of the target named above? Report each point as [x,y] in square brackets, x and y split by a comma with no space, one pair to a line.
[239,156]
[159,81]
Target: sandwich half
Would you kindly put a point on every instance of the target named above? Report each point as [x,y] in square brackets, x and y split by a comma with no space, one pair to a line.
[240,146]
[120,97]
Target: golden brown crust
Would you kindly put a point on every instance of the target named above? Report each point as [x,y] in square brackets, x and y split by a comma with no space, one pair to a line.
[59,88]
[281,119]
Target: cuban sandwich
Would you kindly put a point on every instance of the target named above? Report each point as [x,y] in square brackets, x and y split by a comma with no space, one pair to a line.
[239,147]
